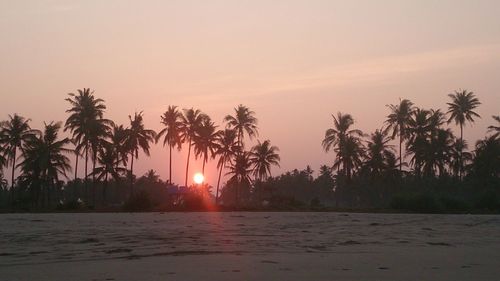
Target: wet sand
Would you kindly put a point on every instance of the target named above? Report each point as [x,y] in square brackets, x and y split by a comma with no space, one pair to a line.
[249,246]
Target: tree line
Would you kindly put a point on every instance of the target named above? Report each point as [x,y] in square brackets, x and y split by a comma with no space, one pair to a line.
[430,168]
[42,156]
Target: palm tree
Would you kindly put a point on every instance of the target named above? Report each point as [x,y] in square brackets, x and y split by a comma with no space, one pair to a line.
[495,129]
[336,137]
[486,161]
[240,171]
[171,119]
[242,122]
[227,148]
[262,157]
[191,120]
[44,158]
[137,138]
[398,121]
[117,139]
[350,155]
[205,141]
[108,159]
[15,132]
[461,109]
[379,153]
[87,125]
[457,155]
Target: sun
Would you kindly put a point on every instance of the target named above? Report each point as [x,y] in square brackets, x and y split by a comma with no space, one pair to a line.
[198,178]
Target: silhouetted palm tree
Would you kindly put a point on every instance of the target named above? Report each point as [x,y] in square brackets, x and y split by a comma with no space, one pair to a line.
[191,121]
[205,141]
[227,148]
[171,120]
[108,159]
[15,132]
[495,129]
[457,155]
[486,161]
[378,153]
[118,141]
[398,121]
[44,158]
[87,125]
[350,155]
[242,122]
[137,138]
[335,137]
[262,157]
[461,109]
[240,171]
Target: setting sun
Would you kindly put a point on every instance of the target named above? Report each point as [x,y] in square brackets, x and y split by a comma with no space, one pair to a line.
[198,178]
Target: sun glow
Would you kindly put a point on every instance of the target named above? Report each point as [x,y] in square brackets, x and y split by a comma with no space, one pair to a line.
[198,178]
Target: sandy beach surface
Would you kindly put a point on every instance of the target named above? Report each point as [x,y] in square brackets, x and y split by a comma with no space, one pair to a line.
[249,246]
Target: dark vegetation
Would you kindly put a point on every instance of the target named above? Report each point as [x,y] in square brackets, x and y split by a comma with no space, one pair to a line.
[429,170]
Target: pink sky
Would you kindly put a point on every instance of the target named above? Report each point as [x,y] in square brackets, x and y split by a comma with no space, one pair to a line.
[293,62]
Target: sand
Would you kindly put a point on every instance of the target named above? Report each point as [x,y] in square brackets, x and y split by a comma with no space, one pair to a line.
[249,246]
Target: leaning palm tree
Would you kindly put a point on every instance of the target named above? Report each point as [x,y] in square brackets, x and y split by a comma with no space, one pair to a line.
[461,109]
[336,137]
[171,120]
[191,120]
[15,132]
[495,129]
[137,138]
[262,157]
[227,148]
[397,121]
[205,141]
[242,122]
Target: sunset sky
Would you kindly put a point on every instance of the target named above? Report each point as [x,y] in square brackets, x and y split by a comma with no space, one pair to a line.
[292,62]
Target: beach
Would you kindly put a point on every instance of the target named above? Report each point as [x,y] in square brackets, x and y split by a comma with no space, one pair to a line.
[249,246]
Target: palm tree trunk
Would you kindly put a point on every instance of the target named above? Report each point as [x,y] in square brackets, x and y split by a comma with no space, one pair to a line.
[218,184]
[12,178]
[187,165]
[104,189]
[170,165]
[94,157]
[76,162]
[203,166]
[461,148]
[400,154]
[86,172]
[132,175]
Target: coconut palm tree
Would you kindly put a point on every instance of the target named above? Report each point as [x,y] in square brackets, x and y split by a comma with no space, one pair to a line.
[108,159]
[45,158]
[137,138]
[171,120]
[397,121]
[227,148]
[117,140]
[191,120]
[88,127]
[15,132]
[205,141]
[495,129]
[335,137]
[262,157]
[242,122]
[486,161]
[461,109]
[240,171]
[378,153]
[350,155]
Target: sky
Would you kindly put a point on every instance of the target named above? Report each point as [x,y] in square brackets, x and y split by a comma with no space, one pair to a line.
[294,63]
